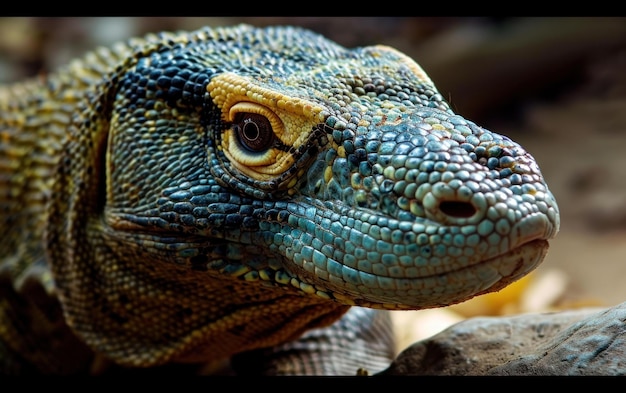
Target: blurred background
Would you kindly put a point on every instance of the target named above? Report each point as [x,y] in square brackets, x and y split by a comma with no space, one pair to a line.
[555,85]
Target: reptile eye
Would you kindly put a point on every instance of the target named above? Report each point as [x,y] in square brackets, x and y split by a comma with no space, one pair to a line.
[254,131]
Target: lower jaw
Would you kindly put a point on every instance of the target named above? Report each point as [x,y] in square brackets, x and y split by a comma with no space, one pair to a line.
[454,286]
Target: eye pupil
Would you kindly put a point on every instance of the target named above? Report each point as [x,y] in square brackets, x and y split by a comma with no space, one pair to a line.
[251,131]
[254,131]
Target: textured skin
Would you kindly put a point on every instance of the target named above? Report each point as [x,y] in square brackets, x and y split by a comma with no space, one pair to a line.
[188,197]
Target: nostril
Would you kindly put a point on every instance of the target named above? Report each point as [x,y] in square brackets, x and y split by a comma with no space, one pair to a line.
[457,209]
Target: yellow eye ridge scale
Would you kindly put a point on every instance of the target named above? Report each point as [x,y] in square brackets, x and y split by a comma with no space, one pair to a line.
[258,195]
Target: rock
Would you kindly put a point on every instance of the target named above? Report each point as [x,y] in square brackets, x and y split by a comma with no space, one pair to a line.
[576,342]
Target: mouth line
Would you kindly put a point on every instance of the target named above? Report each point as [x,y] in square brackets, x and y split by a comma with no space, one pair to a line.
[450,287]
[528,231]
[528,234]
[539,243]
[535,243]
[513,264]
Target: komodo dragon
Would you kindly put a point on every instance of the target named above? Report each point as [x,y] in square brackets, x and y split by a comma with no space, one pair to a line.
[254,194]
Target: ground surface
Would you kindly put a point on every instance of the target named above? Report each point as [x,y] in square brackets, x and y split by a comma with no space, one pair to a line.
[555,85]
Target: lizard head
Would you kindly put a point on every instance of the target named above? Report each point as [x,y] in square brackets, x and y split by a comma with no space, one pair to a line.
[342,173]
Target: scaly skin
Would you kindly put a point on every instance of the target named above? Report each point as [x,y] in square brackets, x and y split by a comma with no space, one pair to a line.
[188,197]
